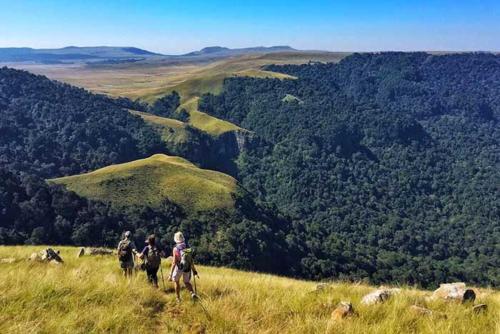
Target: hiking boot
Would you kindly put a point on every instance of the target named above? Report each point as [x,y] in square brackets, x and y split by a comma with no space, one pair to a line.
[194,296]
[178,300]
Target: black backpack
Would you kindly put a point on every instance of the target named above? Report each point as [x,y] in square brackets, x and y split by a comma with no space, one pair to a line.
[153,259]
[125,251]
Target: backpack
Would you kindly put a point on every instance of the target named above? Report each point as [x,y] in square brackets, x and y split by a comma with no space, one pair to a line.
[125,251]
[186,262]
[153,259]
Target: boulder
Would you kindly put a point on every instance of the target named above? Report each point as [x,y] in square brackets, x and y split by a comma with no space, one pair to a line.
[99,251]
[343,310]
[81,252]
[322,286]
[47,255]
[454,292]
[379,296]
[480,308]
[420,310]
[35,257]
[8,260]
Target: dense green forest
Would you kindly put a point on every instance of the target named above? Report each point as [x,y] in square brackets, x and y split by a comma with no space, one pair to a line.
[387,163]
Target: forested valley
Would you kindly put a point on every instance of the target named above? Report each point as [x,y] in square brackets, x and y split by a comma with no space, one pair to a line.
[388,164]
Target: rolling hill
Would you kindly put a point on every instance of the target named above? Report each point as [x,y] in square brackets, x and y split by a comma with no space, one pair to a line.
[72,54]
[89,295]
[148,182]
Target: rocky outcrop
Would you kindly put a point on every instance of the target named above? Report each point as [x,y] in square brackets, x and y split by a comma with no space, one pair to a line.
[8,260]
[480,308]
[226,148]
[342,311]
[379,296]
[94,251]
[47,255]
[456,292]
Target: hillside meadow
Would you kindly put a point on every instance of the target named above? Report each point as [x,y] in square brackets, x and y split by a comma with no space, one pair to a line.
[89,295]
[149,182]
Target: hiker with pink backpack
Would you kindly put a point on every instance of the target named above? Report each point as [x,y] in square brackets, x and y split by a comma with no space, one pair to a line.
[182,266]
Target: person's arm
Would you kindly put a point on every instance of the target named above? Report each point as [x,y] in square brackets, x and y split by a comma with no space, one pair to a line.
[143,253]
[134,248]
[193,268]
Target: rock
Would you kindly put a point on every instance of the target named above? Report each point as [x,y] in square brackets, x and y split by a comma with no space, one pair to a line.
[81,252]
[420,310]
[343,310]
[454,292]
[46,255]
[8,260]
[377,296]
[99,251]
[52,255]
[480,308]
[35,257]
[469,296]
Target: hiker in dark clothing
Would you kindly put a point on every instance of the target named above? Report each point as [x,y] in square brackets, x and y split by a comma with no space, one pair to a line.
[152,260]
[126,250]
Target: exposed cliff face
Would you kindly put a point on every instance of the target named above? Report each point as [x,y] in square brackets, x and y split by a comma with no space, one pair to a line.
[226,148]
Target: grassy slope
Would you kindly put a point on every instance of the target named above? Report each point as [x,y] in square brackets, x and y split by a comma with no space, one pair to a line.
[205,122]
[149,181]
[170,130]
[88,295]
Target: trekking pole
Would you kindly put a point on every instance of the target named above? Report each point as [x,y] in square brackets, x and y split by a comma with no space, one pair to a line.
[194,280]
[162,279]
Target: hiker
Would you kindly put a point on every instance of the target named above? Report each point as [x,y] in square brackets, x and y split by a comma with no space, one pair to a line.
[126,250]
[182,266]
[152,260]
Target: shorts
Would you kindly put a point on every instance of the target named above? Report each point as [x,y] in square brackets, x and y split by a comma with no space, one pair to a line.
[177,274]
[127,264]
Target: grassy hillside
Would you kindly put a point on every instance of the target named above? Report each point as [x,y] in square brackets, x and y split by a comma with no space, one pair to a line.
[148,182]
[170,130]
[205,122]
[89,295]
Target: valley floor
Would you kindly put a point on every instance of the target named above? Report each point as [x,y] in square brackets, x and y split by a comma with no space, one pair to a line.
[89,295]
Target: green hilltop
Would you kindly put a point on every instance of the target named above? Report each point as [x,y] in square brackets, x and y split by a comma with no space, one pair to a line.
[149,182]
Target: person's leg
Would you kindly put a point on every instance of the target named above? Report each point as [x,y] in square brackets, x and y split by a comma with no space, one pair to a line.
[187,283]
[178,290]
[155,277]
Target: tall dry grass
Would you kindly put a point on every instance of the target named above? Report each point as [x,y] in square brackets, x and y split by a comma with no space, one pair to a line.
[89,295]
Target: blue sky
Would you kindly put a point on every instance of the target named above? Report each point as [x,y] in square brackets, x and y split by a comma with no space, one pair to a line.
[177,26]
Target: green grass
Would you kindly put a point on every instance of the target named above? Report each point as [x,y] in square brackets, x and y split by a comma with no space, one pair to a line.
[89,295]
[171,131]
[147,182]
[205,122]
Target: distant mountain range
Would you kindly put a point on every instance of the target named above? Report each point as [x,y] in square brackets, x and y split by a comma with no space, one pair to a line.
[222,51]
[96,54]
